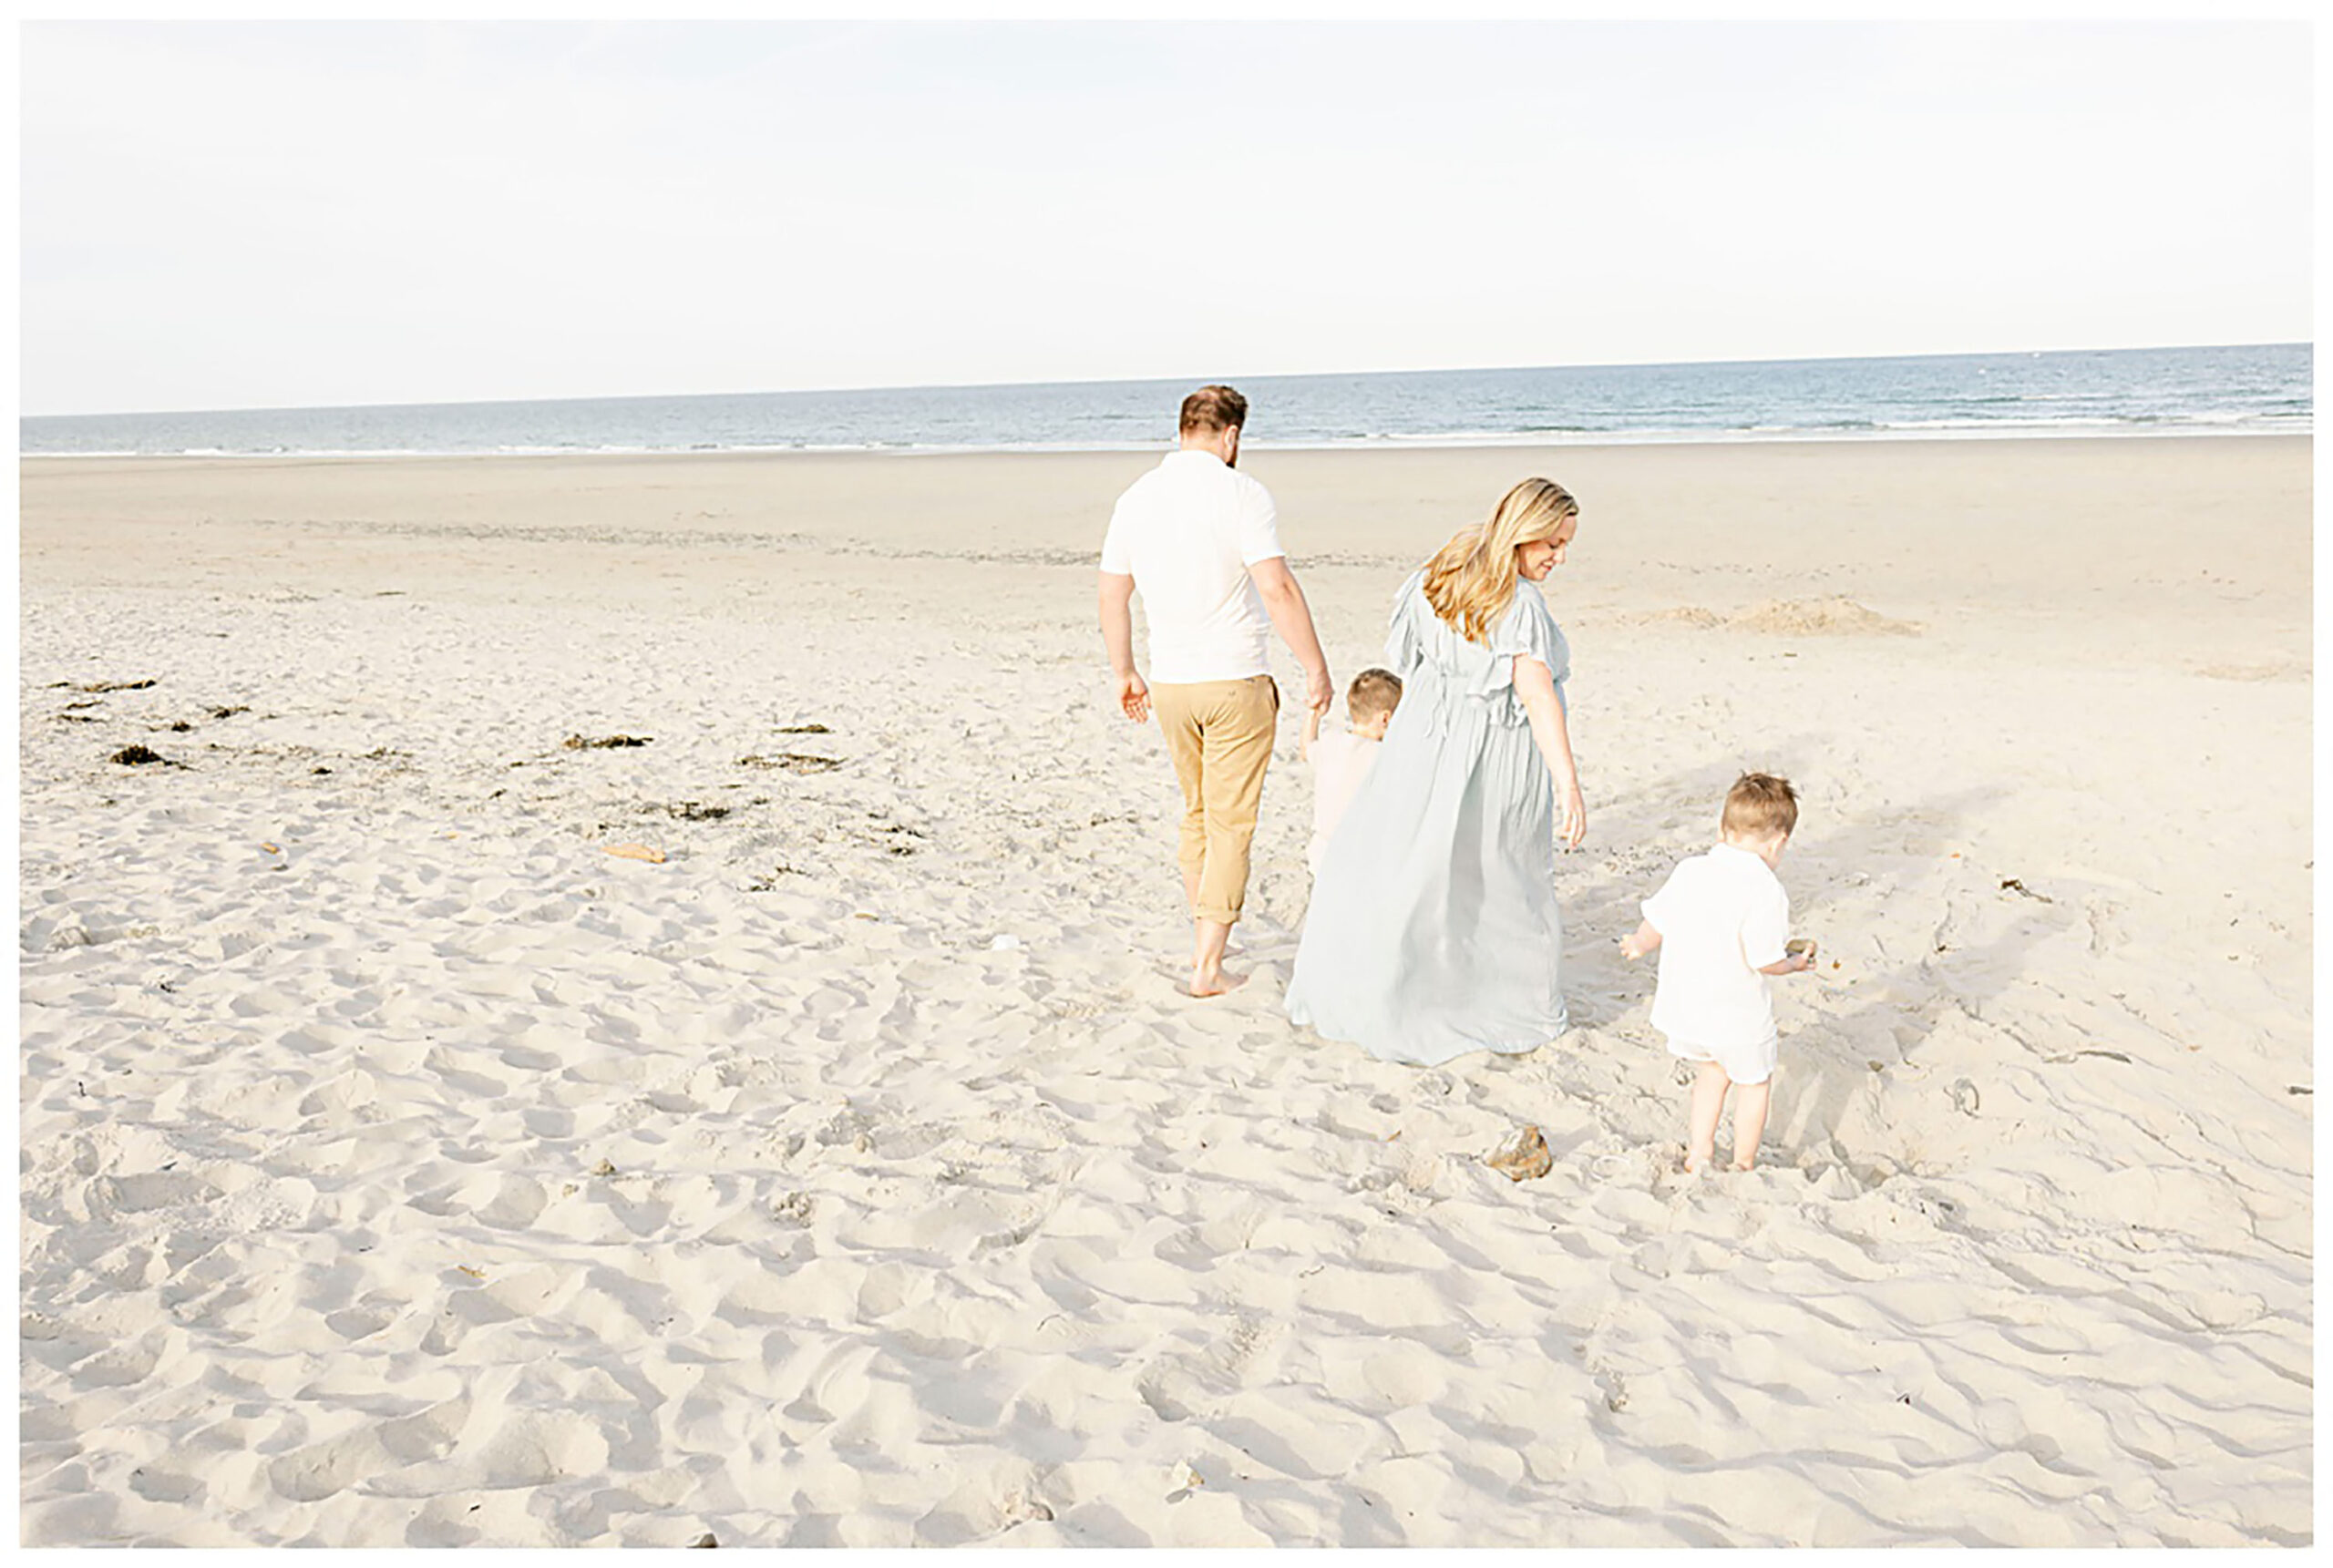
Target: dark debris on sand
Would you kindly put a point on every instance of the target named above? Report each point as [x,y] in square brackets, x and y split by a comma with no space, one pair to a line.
[133,756]
[578,743]
[102,686]
[792,762]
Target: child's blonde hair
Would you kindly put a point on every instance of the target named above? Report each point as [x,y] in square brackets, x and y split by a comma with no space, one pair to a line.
[1471,580]
[1760,805]
[1373,692]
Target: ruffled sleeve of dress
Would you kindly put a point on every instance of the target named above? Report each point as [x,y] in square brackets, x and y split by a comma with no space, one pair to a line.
[1529,630]
[1405,650]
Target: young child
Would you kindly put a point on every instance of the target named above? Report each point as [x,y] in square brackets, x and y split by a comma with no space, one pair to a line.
[1722,922]
[1340,761]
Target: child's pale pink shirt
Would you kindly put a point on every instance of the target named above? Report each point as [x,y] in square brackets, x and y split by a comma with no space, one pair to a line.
[1341,759]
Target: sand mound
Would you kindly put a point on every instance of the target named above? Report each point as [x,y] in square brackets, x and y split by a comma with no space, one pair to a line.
[2285,671]
[1836,616]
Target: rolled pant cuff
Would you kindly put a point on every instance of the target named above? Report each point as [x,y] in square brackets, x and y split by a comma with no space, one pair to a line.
[1217,913]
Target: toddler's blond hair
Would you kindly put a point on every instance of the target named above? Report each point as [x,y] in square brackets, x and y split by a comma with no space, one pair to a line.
[1760,805]
[1373,692]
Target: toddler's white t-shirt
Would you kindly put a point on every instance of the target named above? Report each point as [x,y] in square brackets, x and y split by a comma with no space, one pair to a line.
[1722,916]
[1341,759]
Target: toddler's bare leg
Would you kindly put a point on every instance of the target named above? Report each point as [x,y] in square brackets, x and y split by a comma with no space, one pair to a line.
[1700,1130]
[1748,1121]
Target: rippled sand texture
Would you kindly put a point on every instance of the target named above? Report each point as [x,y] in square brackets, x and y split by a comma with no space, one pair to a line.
[400,1167]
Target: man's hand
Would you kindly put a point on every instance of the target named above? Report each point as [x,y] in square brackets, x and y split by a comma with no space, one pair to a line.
[1134,697]
[1117,603]
[1284,602]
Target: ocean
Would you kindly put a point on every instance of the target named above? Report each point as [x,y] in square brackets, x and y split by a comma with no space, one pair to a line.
[2257,388]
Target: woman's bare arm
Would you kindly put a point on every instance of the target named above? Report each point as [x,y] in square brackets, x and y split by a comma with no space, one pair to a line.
[1536,689]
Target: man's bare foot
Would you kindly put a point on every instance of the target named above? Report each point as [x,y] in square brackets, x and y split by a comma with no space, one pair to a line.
[1214,985]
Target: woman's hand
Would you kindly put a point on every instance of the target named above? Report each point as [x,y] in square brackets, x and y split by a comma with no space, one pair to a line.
[1551,730]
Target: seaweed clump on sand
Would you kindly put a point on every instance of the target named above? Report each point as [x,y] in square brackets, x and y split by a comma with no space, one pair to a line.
[131,757]
[792,762]
[578,743]
[102,687]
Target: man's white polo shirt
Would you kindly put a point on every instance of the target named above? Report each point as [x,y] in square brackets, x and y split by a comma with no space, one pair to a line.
[1186,532]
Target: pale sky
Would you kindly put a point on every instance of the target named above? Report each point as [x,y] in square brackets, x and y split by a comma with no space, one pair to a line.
[225,215]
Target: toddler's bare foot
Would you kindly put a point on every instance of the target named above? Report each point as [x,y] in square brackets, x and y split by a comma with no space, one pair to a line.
[1696,1164]
[1745,1164]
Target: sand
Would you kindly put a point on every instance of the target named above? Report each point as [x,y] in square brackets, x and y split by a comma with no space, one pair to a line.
[400,1165]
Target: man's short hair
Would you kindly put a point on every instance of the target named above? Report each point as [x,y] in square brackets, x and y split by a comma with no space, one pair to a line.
[1760,805]
[1214,408]
[1373,691]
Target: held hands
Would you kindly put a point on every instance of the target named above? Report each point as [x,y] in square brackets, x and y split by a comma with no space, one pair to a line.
[1318,693]
[1133,696]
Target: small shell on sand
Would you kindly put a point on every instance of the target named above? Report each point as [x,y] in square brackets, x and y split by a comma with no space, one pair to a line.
[1523,1156]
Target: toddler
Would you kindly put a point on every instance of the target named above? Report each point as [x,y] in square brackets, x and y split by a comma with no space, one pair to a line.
[1722,922]
[1340,761]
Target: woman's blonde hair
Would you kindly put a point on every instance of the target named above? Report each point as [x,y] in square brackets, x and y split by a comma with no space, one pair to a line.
[1471,580]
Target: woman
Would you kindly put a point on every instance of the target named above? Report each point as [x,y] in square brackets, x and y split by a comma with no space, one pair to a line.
[1433,929]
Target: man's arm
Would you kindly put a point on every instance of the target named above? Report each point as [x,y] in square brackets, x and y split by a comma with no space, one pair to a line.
[1117,636]
[1292,617]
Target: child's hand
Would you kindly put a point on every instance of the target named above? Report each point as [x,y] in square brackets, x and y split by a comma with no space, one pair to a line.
[1640,942]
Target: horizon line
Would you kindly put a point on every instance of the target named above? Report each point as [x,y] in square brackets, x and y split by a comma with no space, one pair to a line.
[1138,380]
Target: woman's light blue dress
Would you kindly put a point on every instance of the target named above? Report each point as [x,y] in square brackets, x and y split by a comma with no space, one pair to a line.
[1432,930]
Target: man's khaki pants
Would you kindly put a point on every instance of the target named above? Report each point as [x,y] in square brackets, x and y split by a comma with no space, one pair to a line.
[1220,734]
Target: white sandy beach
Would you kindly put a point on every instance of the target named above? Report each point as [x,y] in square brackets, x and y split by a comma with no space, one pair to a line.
[400,1167]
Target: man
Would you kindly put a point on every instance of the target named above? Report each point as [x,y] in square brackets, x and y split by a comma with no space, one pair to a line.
[1201,542]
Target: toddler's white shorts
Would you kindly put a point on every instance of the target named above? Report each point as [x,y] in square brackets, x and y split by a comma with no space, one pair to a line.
[1743,1063]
